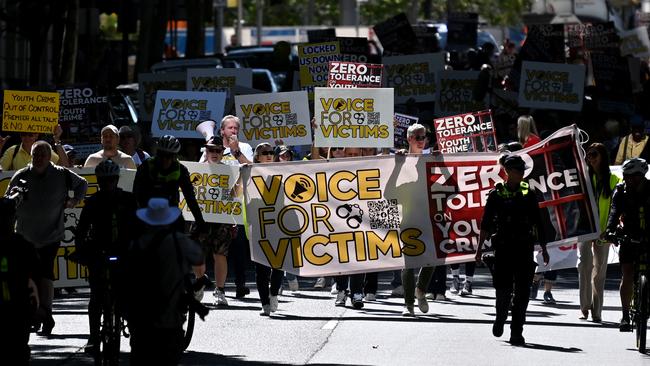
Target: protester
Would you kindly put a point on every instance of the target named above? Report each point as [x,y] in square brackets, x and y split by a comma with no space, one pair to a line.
[632,145]
[110,139]
[73,161]
[40,218]
[106,227]
[156,316]
[19,298]
[462,288]
[129,143]
[631,206]
[162,176]
[592,267]
[527,131]
[18,156]
[512,221]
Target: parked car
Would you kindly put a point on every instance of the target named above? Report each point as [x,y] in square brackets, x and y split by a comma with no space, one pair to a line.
[182,64]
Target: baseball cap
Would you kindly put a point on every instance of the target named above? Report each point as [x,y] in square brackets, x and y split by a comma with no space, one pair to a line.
[110,128]
[514,162]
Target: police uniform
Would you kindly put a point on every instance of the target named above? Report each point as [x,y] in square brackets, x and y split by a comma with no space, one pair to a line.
[514,221]
[634,209]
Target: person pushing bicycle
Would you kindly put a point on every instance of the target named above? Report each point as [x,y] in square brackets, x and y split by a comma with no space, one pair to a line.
[105,229]
[631,206]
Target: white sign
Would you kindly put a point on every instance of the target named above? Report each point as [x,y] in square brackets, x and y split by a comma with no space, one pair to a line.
[551,86]
[213,188]
[635,42]
[179,112]
[274,116]
[413,76]
[353,117]
[456,93]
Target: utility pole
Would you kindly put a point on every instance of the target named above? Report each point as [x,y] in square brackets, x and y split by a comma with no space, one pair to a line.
[218,6]
[240,19]
[260,18]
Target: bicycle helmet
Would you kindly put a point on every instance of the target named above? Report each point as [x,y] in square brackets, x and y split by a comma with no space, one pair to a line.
[170,144]
[635,166]
[107,168]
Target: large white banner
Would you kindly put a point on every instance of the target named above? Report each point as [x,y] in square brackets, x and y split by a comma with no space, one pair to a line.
[274,116]
[354,117]
[372,214]
[214,191]
[551,86]
[413,76]
[178,113]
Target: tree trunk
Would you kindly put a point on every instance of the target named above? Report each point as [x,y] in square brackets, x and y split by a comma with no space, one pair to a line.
[413,11]
[195,45]
[153,26]
[68,58]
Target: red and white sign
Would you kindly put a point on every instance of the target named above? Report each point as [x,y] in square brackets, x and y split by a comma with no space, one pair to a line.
[469,132]
[354,75]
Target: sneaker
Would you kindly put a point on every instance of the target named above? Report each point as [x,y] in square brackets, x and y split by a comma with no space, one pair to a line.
[430,296]
[440,297]
[241,292]
[548,298]
[357,301]
[280,290]
[266,310]
[334,290]
[293,285]
[273,303]
[497,328]
[467,289]
[341,297]
[370,297]
[517,340]
[408,311]
[320,282]
[220,298]
[455,285]
[625,325]
[534,288]
[423,305]
[397,291]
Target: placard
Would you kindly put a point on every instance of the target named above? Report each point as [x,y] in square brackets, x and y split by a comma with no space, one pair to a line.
[552,86]
[219,80]
[461,30]
[178,113]
[274,116]
[635,42]
[30,111]
[402,123]
[213,189]
[83,113]
[396,35]
[413,76]
[149,84]
[469,132]
[354,75]
[314,63]
[353,117]
[456,93]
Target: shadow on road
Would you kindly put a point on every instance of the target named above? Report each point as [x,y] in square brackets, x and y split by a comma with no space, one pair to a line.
[203,358]
[546,347]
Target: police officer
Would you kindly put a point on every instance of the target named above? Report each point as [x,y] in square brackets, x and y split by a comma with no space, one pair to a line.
[511,219]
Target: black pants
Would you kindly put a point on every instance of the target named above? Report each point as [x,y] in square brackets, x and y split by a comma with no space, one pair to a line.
[512,278]
[438,284]
[370,283]
[262,273]
[356,283]
[240,257]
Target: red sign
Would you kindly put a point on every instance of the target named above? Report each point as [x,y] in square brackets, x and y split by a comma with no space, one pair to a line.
[354,75]
[470,132]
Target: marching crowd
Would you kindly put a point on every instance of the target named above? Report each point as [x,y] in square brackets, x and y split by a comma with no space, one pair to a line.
[149,221]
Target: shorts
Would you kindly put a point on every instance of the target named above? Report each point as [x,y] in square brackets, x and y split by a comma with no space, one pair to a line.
[627,253]
[46,256]
[218,239]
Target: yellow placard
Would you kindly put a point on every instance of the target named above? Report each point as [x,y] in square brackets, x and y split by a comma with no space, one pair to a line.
[30,111]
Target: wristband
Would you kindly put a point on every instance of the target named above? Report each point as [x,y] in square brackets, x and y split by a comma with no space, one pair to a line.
[236,154]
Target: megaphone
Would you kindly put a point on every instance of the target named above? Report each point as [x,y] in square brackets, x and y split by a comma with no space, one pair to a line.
[206,128]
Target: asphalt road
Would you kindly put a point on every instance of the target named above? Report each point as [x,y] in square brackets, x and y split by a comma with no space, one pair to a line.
[309,329]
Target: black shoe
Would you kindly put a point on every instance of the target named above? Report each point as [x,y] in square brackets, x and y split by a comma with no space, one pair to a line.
[517,340]
[497,328]
[625,325]
[48,325]
[241,292]
[91,348]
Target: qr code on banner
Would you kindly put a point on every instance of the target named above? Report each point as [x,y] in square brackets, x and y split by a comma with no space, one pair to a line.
[203,115]
[373,118]
[384,214]
[291,119]
[225,195]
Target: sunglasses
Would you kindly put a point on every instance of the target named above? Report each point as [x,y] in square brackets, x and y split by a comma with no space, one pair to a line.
[267,153]
[336,148]
[214,150]
[420,138]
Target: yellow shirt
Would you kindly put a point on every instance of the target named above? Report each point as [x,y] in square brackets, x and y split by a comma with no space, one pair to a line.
[630,150]
[21,159]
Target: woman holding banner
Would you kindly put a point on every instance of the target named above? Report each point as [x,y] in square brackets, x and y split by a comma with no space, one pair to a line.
[527,131]
[592,268]
[264,153]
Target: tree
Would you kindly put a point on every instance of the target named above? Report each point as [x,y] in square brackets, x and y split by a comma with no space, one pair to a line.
[153,27]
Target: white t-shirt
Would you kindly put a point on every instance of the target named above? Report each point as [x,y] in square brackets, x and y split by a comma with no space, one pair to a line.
[137,160]
[121,159]
[245,149]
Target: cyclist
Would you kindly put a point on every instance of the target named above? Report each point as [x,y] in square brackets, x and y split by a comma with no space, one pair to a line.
[631,205]
[105,228]
[162,176]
